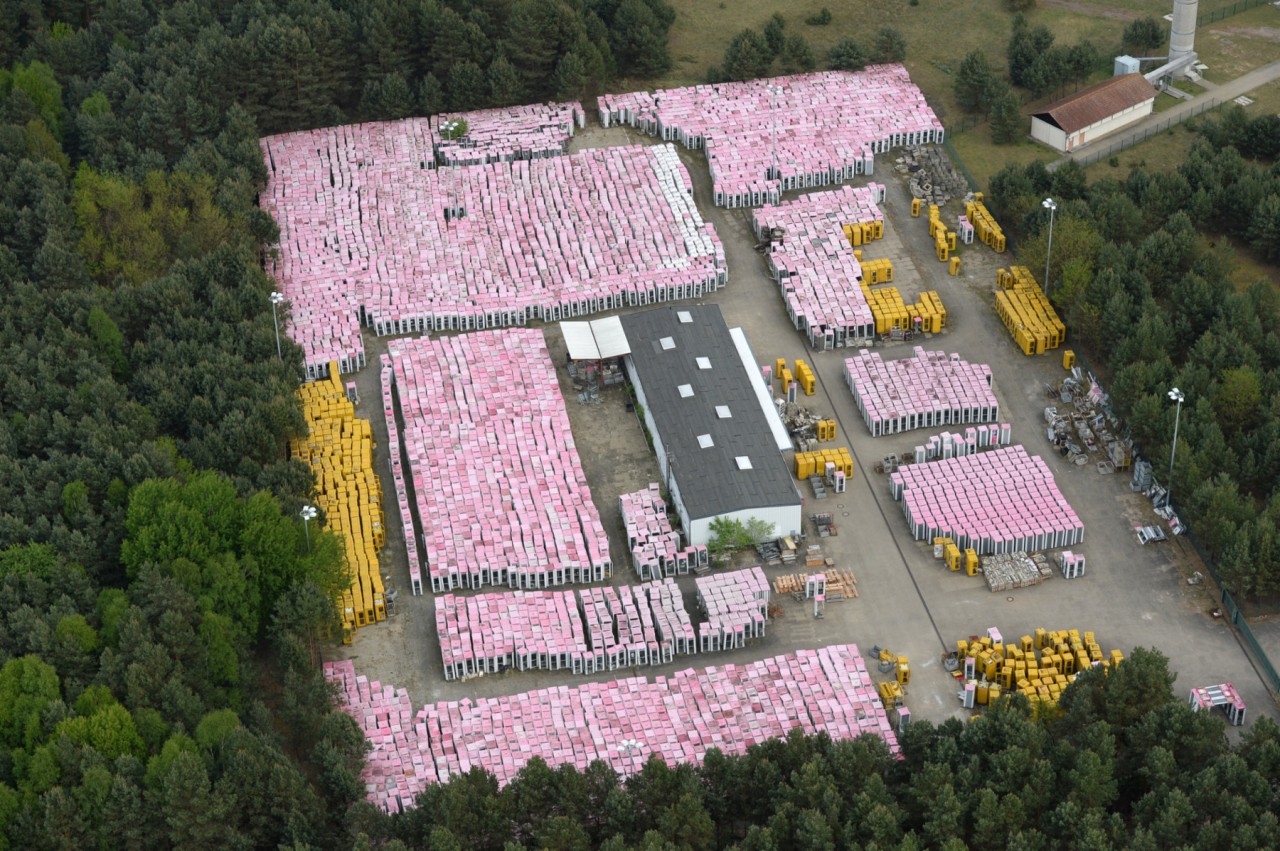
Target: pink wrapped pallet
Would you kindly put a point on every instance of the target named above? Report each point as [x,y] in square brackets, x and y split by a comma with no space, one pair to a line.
[1000,501]
[736,605]
[623,722]
[655,546]
[506,134]
[814,265]
[926,390]
[371,231]
[493,464]
[763,137]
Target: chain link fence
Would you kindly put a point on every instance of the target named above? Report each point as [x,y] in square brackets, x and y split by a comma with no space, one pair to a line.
[1228,11]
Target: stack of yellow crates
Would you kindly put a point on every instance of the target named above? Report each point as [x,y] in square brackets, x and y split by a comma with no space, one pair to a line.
[877,271]
[1026,311]
[860,233]
[1039,666]
[826,430]
[804,375]
[891,312]
[339,448]
[984,224]
[815,463]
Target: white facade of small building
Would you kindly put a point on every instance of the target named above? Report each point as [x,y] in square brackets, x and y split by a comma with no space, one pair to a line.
[1046,133]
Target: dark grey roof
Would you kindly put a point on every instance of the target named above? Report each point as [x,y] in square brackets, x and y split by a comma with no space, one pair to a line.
[709,480]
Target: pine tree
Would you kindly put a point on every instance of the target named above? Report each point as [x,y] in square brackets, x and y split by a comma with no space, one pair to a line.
[973,82]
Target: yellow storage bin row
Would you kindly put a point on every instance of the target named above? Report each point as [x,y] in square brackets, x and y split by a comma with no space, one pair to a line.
[877,271]
[860,233]
[891,312]
[1027,313]
[804,375]
[1040,667]
[826,430]
[339,449]
[984,224]
[815,463]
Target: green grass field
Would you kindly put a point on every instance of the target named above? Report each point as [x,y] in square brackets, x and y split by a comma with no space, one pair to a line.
[939,33]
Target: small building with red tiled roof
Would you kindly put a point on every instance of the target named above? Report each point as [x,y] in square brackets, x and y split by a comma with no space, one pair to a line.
[1092,113]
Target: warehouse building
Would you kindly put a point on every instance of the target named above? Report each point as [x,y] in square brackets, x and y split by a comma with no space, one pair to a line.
[716,432]
[1092,113]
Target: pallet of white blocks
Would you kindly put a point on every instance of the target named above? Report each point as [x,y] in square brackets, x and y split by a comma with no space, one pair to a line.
[736,605]
[950,444]
[925,390]
[654,545]
[814,266]
[398,477]
[1071,563]
[766,136]
[1222,694]
[622,722]
[372,232]
[493,464]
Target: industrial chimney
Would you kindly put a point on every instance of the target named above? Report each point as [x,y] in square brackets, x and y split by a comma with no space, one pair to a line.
[1182,37]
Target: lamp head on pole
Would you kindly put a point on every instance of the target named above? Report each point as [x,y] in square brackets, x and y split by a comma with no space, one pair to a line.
[309,512]
[277,297]
[1177,395]
[1049,204]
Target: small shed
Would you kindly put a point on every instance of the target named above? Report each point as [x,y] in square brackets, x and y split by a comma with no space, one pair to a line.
[1092,113]
[596,349]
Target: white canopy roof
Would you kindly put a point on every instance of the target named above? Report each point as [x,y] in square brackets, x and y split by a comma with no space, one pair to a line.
[598,339]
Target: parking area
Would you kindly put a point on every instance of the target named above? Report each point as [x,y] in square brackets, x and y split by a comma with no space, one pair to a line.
[1131,596]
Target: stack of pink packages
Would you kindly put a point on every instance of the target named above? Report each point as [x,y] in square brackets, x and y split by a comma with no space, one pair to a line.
[763,137]
[506,134]
[623,722]
[397,476]
[1001,501]
[926,390]
[814,266]
[736,605]
[370,231]
[597,630]
[655,546]
[496,476]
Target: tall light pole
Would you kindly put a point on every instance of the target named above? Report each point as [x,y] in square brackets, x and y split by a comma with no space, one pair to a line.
[276,298]
[1052,206]
[308,514]
[449,131]
[1178,396]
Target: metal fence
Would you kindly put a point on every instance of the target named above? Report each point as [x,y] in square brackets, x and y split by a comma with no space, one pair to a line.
[1228,11]
[1115,147]
[959,163]
[1268,670]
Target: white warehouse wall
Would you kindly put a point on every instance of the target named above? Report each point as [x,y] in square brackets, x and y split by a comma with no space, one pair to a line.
[785,519]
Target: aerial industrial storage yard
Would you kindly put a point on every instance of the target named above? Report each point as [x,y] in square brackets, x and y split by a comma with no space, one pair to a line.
[550,495]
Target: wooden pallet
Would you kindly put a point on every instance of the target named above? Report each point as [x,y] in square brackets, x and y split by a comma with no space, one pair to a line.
[841,584]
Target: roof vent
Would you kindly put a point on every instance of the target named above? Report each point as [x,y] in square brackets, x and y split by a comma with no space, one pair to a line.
[686,390]
[744,463]
[705,441]
[704,363]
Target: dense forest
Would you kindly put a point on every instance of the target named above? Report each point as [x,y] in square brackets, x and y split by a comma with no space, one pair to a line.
[160,610]
[1142,269]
